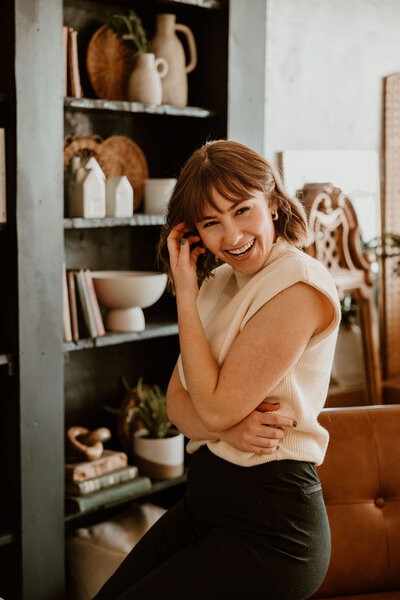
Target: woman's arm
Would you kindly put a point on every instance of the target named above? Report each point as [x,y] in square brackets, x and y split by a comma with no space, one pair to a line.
[266,349]
[259,432]
[182,413]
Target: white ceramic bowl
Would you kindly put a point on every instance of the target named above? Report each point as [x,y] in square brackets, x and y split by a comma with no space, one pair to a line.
[125,293]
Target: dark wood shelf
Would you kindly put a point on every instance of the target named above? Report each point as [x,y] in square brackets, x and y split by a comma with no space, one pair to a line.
[7,538]
[134,221]
[157,486]
[137,107]
[153,330]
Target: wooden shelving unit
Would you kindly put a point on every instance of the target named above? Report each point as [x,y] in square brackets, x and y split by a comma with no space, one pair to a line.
[60,383]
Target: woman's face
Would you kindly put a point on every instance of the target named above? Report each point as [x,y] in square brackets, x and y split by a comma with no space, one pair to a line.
[240,233]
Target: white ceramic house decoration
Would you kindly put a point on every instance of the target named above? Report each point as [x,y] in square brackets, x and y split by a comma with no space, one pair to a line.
[119,197]
[87,189]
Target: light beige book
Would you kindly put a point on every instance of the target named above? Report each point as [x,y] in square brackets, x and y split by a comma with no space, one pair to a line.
[111,460]
[67,330]
[3,203]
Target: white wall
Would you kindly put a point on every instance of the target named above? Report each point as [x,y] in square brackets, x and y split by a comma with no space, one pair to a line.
[326,60]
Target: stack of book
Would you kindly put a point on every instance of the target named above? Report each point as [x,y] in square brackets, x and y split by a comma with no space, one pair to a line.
[92,484]
[72,79]
[81,311]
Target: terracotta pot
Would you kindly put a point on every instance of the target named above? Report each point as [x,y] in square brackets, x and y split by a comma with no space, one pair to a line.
[144,83]
[166,44]
[159,458]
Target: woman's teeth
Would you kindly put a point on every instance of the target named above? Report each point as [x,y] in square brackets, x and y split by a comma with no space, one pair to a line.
[241,250]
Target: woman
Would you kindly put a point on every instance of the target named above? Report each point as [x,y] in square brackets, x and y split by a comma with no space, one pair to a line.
[257,345]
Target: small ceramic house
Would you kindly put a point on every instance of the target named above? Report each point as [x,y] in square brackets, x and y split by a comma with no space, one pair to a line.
[119,197]
[87,190]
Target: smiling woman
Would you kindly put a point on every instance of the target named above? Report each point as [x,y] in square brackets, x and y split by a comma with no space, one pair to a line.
[257,343]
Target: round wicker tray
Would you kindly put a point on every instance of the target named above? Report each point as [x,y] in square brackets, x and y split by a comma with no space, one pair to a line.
[124,157]
[109,63]
[117,155]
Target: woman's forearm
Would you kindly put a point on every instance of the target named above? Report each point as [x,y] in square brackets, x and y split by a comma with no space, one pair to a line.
[183,415]
[199,365]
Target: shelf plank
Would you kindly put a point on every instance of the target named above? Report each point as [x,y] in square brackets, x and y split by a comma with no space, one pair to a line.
[135,220]
[7,538]
[210,4]
[138,107]
[153,330]
[157,486]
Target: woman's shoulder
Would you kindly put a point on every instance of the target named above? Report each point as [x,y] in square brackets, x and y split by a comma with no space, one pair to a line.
[296,264]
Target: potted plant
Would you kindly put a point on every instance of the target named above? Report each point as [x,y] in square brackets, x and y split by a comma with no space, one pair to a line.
[146,432]
[144,84]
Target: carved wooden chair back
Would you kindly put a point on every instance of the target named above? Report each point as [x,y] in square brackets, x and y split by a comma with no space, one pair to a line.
[337,244]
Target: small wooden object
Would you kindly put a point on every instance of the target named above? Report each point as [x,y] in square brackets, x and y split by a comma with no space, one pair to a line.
[86,444]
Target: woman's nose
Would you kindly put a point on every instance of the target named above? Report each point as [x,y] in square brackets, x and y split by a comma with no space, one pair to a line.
[232,235]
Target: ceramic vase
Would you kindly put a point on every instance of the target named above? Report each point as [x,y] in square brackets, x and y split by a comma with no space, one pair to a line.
[167,45]
[159,458]
[144,83]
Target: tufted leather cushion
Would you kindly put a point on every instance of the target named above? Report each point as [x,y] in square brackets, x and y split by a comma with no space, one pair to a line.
[361,484]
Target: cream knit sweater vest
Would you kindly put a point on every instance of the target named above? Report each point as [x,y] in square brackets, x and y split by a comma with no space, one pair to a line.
[227,301]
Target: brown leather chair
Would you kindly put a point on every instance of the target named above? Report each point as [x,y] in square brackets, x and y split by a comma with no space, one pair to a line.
[361,484]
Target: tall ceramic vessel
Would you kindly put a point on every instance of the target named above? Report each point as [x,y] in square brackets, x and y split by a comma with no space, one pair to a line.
[166,44]
[144,83]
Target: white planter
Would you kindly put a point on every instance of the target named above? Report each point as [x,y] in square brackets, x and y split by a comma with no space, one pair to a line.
[159,459]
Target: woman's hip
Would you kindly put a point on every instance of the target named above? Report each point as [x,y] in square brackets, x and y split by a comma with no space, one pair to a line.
[279,503]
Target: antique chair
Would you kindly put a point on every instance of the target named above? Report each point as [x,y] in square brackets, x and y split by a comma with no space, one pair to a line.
[336,234]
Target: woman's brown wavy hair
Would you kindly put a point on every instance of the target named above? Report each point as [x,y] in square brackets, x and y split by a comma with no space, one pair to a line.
[234,171]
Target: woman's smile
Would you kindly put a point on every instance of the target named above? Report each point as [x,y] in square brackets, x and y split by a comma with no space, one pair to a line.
[243,251]
[241,232]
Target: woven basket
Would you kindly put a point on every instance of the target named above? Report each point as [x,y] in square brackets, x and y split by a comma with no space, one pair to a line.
[109,63]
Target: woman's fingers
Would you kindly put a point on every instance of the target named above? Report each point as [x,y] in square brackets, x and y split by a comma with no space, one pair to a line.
[275,420]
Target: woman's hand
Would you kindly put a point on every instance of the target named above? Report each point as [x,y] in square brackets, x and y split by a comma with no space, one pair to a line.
[260,432]
[183,260]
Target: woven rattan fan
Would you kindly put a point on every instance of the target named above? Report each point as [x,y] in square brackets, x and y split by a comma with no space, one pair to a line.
[109,63]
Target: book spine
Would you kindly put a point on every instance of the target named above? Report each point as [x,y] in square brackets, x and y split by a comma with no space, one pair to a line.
[65,60]
[107,496]
[3,191]
[83,488]
[75,62]
[71,78]
[67,331]
[85,303]
[94,303]
[73,309]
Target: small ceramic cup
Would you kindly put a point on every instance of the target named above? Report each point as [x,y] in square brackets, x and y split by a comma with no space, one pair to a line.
[157,193]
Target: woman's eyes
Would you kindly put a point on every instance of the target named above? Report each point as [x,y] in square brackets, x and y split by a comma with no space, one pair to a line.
[242,210]
[239,212]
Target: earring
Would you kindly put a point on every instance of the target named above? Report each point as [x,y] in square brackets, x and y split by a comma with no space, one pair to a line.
[275,216]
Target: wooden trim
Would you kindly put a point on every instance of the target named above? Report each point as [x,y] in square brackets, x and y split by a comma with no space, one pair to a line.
[39,184]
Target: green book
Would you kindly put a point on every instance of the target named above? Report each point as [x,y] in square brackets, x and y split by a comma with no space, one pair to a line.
[122,491]
[87,310]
